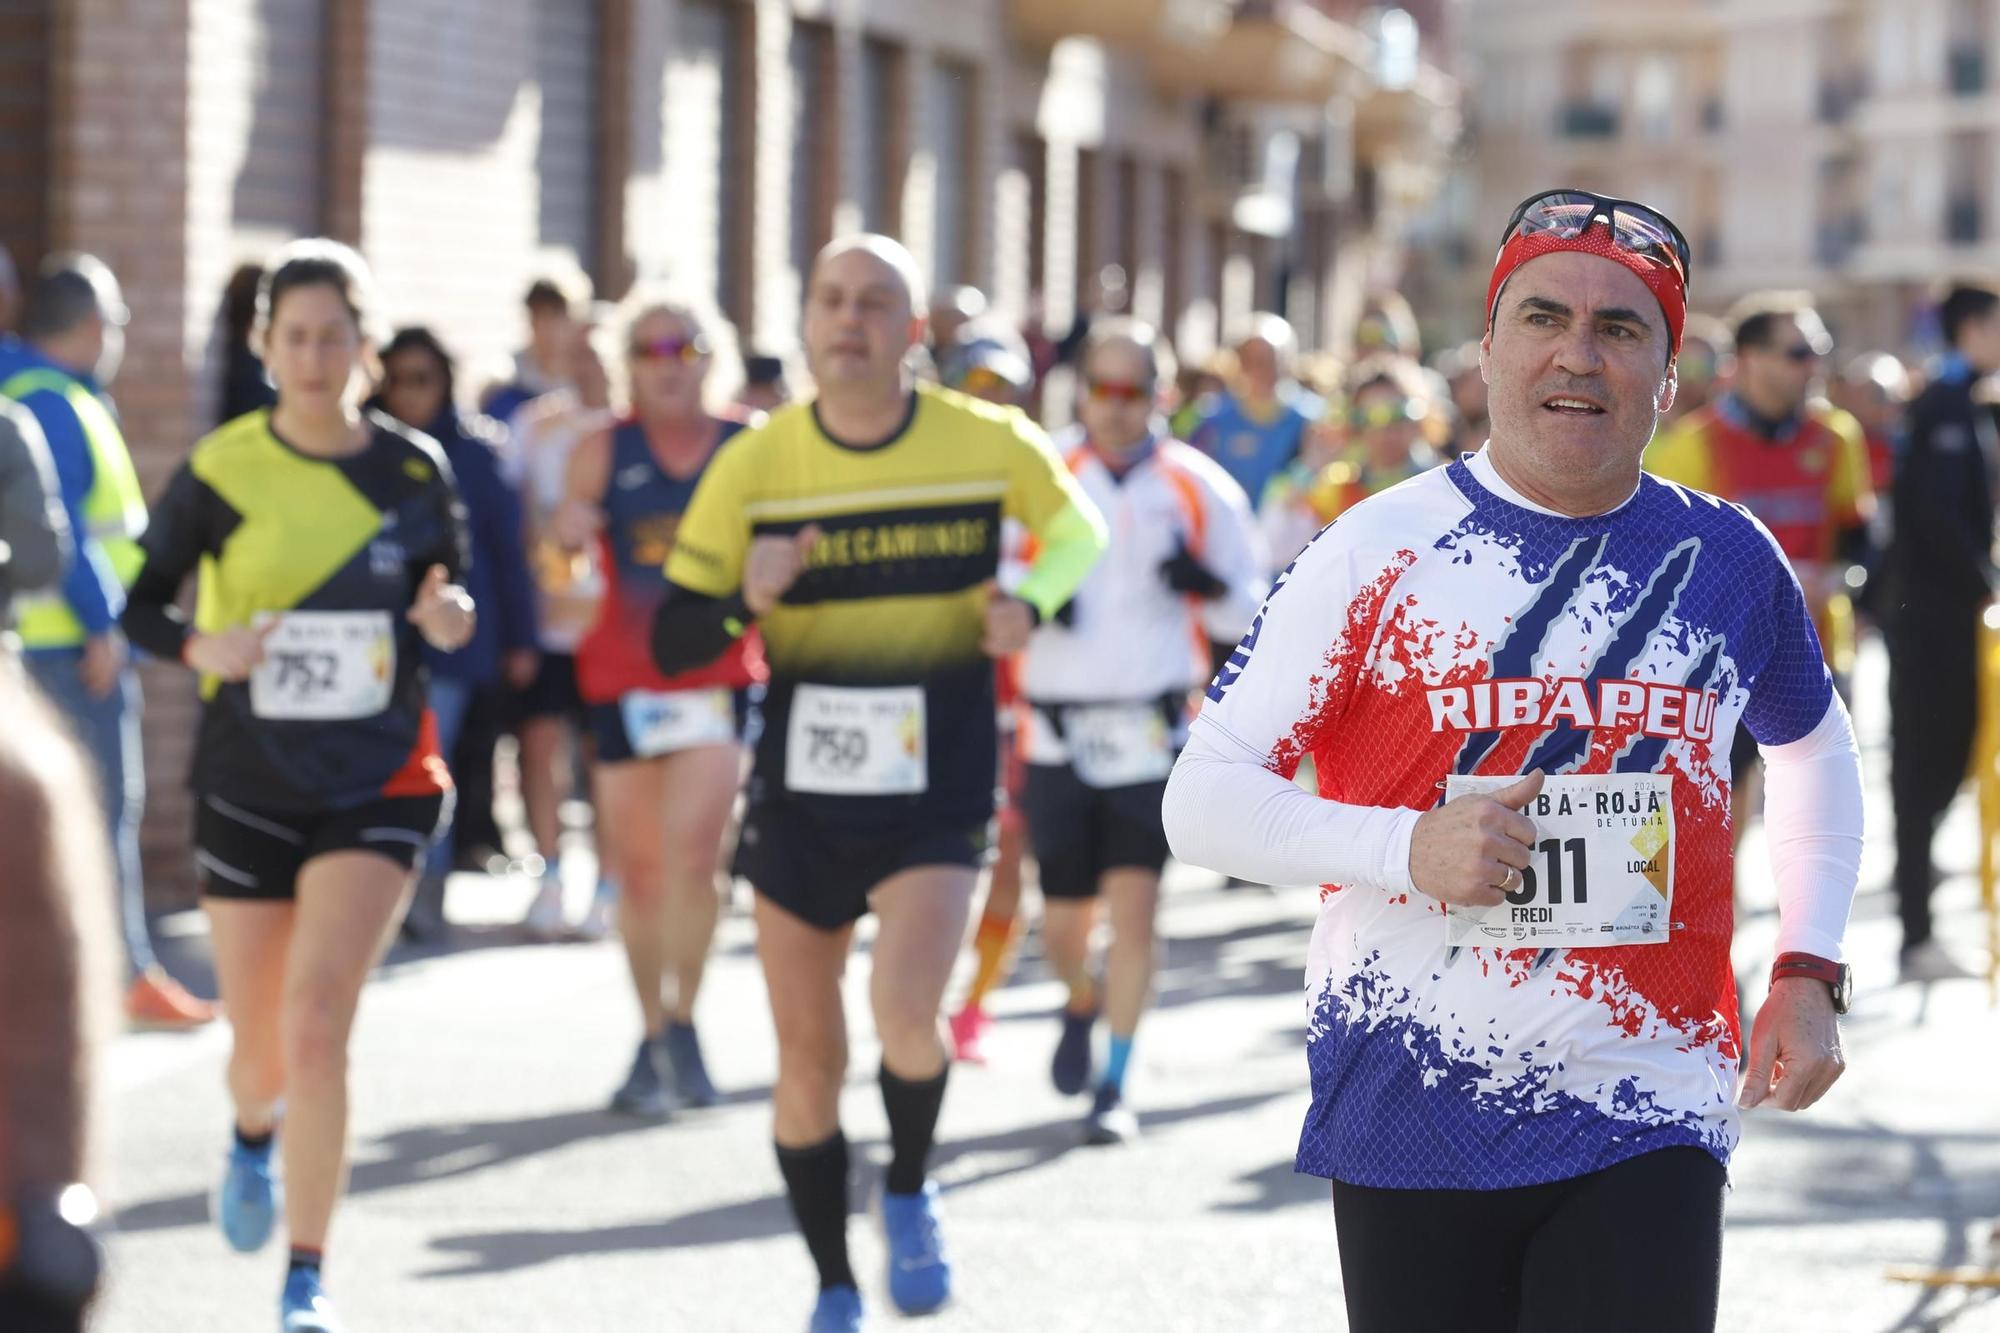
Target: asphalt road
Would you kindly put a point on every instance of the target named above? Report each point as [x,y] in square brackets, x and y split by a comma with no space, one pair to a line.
[491,1191]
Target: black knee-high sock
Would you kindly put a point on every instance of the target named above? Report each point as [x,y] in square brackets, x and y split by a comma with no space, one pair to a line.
[913,1116]
[816,1184]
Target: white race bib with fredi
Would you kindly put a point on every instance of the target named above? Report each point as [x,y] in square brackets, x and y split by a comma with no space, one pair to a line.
[1602,871]
[661,722]
[325,666]
[856,742]
[1118,745]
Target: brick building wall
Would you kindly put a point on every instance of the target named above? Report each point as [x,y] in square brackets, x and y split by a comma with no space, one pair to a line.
[451,213]
[468,145]
[26,40]
[119,156]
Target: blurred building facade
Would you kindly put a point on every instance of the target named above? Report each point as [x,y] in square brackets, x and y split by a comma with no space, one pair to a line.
[1843,146]
[1225,155]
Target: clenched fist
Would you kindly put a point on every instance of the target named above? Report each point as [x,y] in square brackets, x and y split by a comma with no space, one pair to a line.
[1009,622]
[774,565]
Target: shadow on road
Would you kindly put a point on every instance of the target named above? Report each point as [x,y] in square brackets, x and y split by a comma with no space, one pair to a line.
[479,1253]
[1278,1186]
[961,1164]
[1867,1172]
[426,1153]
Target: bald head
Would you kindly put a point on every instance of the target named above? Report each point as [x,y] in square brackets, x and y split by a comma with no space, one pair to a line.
[893,259]
[864,312]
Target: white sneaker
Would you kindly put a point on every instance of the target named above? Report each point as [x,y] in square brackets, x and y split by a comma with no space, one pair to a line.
[545,915]
[1931,961]
[597,922]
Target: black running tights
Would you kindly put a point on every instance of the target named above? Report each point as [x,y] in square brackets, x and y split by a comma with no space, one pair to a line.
[1636,1248]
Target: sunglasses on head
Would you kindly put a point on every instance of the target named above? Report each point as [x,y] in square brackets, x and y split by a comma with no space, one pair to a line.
[1635,228]
[1125,392]
[684,350]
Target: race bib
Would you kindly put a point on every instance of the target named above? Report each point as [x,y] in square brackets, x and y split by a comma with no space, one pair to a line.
[1603,867]
[325,666]
[1118,745]
[856,742]
[660,722]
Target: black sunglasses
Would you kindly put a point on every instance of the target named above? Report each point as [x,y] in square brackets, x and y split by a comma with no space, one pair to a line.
[1634,228]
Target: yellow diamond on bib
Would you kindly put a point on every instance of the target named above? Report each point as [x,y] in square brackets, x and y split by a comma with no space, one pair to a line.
[1653,836]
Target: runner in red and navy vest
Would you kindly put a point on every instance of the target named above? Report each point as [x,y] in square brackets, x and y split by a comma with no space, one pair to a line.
[669,748]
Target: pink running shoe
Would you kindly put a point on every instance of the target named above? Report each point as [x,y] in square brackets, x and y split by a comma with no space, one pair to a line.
[968,1030]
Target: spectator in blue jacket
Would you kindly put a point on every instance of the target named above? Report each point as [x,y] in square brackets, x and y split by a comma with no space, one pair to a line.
[417,389]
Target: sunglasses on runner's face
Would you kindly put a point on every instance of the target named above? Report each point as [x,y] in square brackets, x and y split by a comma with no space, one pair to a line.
[686,350]
[1801,353]
[1635,228]
[1123,393]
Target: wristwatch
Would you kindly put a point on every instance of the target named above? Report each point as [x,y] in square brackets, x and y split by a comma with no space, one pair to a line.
[1839,977]
[46,1253]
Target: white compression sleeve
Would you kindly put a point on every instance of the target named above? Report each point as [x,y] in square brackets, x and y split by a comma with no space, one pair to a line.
[1813,818]
[1224,810]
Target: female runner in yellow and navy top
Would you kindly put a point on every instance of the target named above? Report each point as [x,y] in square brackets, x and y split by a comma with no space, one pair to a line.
[669,758]
[328,543]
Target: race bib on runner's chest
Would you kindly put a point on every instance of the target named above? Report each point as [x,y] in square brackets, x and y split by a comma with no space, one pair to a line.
[856,742]
[661,722]
[1118,745]
[325,666]
[1602,871]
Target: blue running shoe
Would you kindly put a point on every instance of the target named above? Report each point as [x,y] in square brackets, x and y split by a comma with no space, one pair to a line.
[919,1270]
[643,1093]
[838,1310]
[681,1051]
[246,1204]
[304,1307]
[1071,1068]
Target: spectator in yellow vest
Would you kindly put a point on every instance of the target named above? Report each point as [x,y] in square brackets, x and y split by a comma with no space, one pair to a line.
[72,339]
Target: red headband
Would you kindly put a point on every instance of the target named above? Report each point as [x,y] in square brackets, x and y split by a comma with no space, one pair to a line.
[1663,281]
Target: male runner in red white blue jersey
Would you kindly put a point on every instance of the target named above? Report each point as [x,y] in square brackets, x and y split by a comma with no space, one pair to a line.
[1518,678]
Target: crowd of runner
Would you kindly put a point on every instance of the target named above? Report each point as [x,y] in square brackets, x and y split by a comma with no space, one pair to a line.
[875,647]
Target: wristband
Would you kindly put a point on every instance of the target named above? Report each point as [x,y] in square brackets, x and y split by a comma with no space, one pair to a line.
[1839,977]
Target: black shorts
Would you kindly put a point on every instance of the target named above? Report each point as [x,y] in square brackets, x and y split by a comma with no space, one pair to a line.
[1079,832]
[243,852]
[822,872]
[553,692]
[614,743]
[1636,1247]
